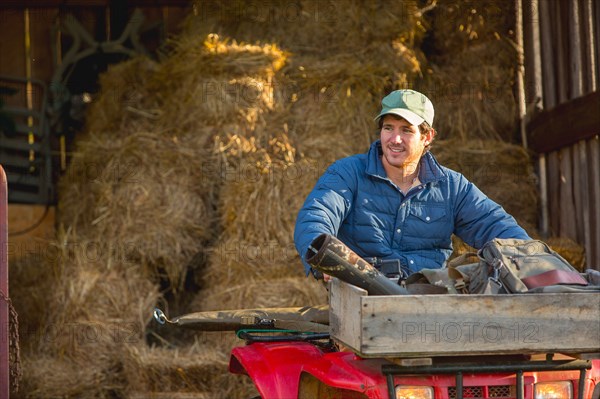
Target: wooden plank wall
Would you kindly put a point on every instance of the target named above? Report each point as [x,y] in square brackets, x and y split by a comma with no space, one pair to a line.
[561,56]
[40,25]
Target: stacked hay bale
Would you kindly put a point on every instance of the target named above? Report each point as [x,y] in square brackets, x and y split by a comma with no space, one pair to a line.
[96,306]
[146,200]
[253,263]
[472,69]
[154,201]
[503,171]
[190,373]
[137,206]
[344,56]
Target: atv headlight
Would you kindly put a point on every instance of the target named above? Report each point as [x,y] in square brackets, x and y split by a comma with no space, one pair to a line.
[413,392]
[552,390]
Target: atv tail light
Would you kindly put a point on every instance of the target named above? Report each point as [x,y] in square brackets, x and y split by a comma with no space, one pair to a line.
[413,392]
[553,390]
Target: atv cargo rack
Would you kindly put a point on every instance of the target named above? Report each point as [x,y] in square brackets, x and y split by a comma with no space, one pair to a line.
[419,331]
[409,326]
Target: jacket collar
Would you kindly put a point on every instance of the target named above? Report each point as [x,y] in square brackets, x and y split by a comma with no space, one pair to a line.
[430,170]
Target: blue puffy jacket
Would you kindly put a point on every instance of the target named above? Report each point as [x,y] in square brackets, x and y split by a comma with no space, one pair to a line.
[356,202]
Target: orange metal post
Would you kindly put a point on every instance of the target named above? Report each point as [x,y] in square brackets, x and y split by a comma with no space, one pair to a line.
[4,338]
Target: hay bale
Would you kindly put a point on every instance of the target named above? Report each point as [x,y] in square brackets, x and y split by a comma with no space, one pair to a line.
[215,82]
[124,98]
[168,370]
[236,261]
[189,58]
[32,281]
[87,309]
[95,308]
[503,171]
[98,310]
[255,243]
[270,292]
[308,26]
[333,122]
[143,198]
[370,51]
[573,252]
[473,99]
[263,190]
[195,371]
[54,377]
[471,71]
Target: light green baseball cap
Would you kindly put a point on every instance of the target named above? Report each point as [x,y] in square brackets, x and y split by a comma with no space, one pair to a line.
[411,105]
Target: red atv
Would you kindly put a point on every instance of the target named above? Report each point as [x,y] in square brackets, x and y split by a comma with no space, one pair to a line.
[385,341]
[341,352]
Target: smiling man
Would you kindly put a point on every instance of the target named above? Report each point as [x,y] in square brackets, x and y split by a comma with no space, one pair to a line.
[396,202]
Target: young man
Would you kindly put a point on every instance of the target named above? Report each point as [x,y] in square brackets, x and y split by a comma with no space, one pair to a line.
[396,202]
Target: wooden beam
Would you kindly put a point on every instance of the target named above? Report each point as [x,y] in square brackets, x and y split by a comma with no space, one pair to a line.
[565,124]
[575,65]
[522,101]
[535,99]
[4,308]
[589,52]
[596,24]
[554,193]
[533,55]
[548,49]
[568,213]
[582,199]
[593,157]
[559,15]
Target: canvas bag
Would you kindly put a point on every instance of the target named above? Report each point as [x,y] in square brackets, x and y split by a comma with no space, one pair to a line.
[519,266]
[505,266]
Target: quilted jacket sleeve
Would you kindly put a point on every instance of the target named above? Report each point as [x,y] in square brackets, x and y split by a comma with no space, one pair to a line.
[325,208]
[478,219]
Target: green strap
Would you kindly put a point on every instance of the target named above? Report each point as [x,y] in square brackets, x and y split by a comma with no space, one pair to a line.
[263,330]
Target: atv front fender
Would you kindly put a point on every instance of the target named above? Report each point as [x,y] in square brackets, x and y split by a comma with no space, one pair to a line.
[274,367]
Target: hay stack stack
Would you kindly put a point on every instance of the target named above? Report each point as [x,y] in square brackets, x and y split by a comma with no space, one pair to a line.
[97,305]
[340,63]
[344,55]
[140,196]
[190,372]
[471,70]
[503,171]
[323,101]
[137,206]
[254,263]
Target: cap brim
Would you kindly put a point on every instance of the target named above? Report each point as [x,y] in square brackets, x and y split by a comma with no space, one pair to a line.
[410,116]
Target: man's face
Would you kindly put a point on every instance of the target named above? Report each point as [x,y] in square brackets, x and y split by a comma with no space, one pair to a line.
[401,142]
